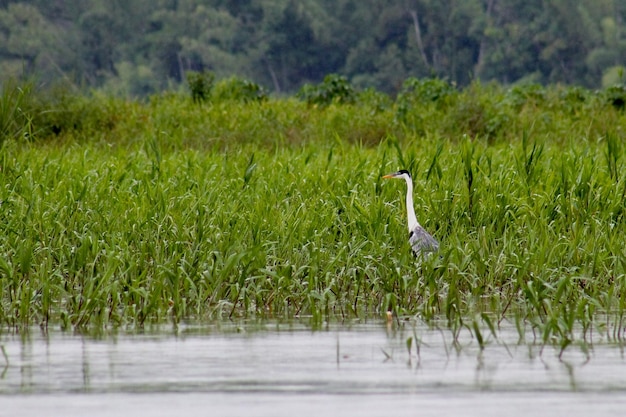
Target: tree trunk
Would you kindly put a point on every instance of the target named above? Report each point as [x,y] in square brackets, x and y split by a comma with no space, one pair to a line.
[273,75]
[480,61]
[418,36]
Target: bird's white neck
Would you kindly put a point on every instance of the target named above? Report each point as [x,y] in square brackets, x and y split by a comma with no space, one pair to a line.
[410,210]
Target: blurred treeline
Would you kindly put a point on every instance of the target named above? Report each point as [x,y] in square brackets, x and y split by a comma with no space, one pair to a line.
[139,47]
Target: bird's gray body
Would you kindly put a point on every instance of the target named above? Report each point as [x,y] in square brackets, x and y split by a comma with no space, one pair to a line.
[422,243]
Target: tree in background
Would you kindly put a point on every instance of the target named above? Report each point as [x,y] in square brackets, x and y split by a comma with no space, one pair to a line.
[30,43]
[295,52]
[143,46]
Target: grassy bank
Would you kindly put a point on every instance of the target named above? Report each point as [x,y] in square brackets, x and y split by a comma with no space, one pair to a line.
[126,213]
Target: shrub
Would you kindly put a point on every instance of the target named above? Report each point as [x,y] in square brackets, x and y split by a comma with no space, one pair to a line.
[479,111]
[240,90]
[425,90]
[616,96]
[422,92]
[334,89]
[520,95]
[200,84]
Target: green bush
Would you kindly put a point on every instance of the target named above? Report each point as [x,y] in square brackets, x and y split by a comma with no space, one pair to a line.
[60,111]
[200,84]
[334,89]
[478,112]
[241,90]
[616,96]
[421,103]
[521,95]
[425,90]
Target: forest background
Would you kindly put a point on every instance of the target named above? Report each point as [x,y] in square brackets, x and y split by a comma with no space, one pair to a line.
[141,47]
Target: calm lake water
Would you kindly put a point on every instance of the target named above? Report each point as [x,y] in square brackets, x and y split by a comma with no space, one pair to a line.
[290,370]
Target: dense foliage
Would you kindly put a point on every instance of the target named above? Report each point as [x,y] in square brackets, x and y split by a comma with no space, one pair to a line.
[143,46]
[117,212]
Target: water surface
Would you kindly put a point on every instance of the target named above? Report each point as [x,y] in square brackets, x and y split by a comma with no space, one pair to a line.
[288,369]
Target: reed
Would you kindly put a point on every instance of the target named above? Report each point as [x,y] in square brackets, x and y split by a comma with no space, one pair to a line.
[175,210]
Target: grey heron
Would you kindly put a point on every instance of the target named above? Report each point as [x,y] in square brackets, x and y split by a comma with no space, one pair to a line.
[422,242]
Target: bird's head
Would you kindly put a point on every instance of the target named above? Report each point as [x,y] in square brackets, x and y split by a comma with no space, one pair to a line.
[403,173]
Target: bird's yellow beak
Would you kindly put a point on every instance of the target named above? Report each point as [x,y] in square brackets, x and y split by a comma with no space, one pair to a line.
[389,175]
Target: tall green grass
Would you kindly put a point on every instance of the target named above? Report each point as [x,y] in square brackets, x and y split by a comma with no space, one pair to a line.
[170,210]
[15,121]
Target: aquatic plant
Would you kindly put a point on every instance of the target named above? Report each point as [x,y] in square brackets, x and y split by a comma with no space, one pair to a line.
[170,211]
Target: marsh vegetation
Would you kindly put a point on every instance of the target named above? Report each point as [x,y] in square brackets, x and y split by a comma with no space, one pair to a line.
[118,212]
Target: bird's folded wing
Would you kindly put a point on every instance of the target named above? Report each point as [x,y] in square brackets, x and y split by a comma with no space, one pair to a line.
[421,241]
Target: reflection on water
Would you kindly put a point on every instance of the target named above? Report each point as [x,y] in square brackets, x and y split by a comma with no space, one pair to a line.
[286,369]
